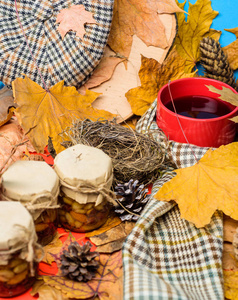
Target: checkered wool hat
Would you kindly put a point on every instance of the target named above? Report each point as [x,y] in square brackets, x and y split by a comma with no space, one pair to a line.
[70,59]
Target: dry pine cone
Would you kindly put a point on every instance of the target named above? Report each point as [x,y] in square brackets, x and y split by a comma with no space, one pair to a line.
[131,200]
[78,263]
[215,62]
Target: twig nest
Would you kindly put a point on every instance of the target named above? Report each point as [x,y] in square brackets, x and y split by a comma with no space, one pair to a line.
[134,155]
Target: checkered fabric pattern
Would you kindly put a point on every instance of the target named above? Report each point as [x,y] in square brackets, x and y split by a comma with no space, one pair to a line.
[166,257]
[70,59]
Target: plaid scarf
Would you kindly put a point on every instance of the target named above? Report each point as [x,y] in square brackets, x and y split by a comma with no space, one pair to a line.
[166,257]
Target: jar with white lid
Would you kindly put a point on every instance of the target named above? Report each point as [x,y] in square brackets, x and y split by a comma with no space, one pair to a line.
[86,176]
[19,251]
[36,185]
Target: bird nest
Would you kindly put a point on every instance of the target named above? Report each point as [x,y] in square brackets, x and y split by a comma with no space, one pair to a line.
[134,155]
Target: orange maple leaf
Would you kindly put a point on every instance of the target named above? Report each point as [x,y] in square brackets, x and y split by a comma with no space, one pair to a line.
[205,187]
[74,18]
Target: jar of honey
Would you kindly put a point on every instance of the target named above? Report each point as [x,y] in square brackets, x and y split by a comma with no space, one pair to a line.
[19,251]
[36,185]
[86,176]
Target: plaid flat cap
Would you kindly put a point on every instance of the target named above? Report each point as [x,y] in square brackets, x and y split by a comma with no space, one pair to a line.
[71,58]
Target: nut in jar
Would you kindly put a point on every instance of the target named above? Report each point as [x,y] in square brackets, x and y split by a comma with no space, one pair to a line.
[20,253]
[85,197]
[36,185]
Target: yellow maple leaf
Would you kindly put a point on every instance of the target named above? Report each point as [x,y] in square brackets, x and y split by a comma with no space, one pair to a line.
[207,186]
[191,31]
[139,18]
[232,50]
[231,284]
[153,76]
[227,95]
[48,113]
[74,18]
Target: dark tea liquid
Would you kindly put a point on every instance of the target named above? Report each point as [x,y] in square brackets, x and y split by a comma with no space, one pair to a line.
[199,107]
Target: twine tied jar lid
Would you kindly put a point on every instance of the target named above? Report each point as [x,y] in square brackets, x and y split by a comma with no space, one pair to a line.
[34,183]
[85,173]
[17,232]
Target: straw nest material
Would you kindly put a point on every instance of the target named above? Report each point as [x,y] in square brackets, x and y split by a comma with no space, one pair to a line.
[134,155]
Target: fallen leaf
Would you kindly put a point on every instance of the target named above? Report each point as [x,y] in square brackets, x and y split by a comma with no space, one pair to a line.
[231,284]
[102,73]
[229,228]
[74,18]
[231,50]
[7,105]
[111,222]
[46,292]
[227,95]
[205,187]
[153,76]
[113,239]
[139,18]
[48,113]
[107,279]
[168,7]
[191,31]
[11,134]
[228,258]
[52,248]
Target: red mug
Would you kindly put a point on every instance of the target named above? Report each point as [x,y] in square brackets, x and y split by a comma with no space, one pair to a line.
[204,132]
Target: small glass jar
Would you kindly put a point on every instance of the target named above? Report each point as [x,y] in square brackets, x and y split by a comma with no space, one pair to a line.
[18,249]
[36,185]
[86,177]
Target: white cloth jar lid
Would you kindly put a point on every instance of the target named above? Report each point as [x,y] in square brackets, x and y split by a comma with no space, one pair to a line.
[17,230]
[80,167]
[34,183]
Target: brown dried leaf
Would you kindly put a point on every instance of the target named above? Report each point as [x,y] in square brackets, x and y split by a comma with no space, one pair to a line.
[102,73]
[107,279]
[232,50]
[229,228]
[140,18]
[228,258]
[74,18]
[111,222]
[46,292]
[153,76]
[52,248]
[113,239]
[10,135]
[7,105]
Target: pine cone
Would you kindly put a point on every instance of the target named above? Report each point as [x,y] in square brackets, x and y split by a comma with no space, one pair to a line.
[131,200]
[215,62]
[78,263]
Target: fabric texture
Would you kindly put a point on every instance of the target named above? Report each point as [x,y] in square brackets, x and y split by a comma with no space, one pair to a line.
[166,257]
[70,59]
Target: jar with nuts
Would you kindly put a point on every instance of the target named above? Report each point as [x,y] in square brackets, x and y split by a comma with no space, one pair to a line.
[19,251]
[86,177]
[36,185]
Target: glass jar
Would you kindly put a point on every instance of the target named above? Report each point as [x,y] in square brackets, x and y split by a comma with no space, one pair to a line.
[86,177]
[18,249]
[36,185]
